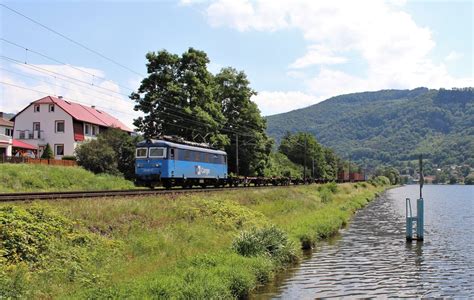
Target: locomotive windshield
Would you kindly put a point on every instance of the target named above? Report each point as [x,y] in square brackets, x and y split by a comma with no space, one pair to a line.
[157,152]
[141,152]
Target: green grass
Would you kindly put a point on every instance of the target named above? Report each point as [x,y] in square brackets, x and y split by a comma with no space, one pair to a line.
[34,178]
[207,245]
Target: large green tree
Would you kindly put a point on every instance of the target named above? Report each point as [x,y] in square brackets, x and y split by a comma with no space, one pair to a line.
[243,122]
[180,97]
[177,98]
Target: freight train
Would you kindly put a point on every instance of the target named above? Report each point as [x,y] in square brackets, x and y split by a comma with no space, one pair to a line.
[169,163]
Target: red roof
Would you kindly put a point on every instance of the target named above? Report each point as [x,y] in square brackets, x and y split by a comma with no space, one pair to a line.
[6,123]
[23,145]
[85,113]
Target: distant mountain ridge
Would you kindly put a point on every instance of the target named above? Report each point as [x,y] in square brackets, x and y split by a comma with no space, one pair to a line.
[8,116]
[390,126]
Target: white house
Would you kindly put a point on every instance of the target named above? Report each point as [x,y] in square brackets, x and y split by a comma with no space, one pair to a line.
[62,124]
[6,136]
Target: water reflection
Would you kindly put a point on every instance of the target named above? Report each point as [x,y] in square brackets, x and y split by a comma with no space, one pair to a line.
[371,258]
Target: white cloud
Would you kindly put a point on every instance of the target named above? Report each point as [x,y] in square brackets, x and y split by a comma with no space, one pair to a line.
[453,56]
[244,15]
[71,82]
[393,47]
[330,83]
[318,55]
[271,103]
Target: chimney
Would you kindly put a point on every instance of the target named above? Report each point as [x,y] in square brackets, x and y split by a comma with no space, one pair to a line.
[93,106]
[60,97]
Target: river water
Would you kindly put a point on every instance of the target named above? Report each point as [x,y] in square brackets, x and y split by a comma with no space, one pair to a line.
[371,257]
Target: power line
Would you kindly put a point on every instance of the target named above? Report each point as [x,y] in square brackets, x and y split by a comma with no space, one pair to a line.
[85,47]
[73,41]
[68,81]
[58,85]
[122,112]
[91,84]
[184,117]
[73,100]
[60,74]
[63,63]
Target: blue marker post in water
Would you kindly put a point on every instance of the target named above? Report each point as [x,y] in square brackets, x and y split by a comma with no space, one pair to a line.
[419,219]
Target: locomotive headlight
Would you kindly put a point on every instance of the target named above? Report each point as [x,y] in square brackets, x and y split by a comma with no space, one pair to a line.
[139,165]
[157,165]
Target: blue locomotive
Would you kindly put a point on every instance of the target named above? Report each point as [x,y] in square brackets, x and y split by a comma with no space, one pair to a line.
[167,163]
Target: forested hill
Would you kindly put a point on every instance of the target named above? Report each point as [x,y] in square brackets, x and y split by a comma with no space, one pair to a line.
[390,126]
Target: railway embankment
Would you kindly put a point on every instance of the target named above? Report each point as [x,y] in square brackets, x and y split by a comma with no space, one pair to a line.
[44,178]
[207,245]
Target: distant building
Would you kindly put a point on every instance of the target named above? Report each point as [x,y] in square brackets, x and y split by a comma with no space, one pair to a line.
[62,124]
[6,136]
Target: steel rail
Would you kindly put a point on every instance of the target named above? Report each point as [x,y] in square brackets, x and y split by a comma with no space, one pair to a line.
[9,197]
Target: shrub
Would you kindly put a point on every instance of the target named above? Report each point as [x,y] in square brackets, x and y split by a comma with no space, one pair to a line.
[326,195]
[267,241]
[47,153]
[332,186]
[326,191]
[42,241]
[69,157]
[380,181]
[113,152]
[469,179]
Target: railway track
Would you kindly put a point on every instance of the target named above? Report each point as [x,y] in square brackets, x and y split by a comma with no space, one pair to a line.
[8,197]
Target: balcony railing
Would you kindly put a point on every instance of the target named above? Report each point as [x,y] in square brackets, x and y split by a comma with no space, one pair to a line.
[31,134]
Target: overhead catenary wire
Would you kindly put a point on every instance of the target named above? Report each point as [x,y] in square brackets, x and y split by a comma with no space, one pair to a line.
[73,100]
[43,70]
[82,46]
[73,41]
[177,109]
[173,107]
[63,63]
[126,113]
[65,88]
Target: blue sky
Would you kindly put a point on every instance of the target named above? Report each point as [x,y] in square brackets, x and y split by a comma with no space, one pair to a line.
[295,53]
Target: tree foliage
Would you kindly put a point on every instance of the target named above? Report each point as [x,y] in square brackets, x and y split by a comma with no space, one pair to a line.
[113,152]
[389,172]
[323,161]
[47,153]
[242,115]
[177,98]
[181,97]
[390,127]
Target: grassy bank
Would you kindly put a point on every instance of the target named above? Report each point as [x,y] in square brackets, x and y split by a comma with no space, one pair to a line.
[34,178]
[188,246]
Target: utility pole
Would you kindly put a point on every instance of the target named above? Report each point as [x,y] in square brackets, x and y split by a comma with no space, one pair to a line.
[422,179]
[305,142]
[236,154]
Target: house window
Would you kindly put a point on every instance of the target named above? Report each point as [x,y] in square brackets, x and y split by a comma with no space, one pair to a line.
[8,132]
[36,108]
[58,149]
[59,126]
[87,129]
[36,131]
[51,108]
[22,135]
[95,130]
